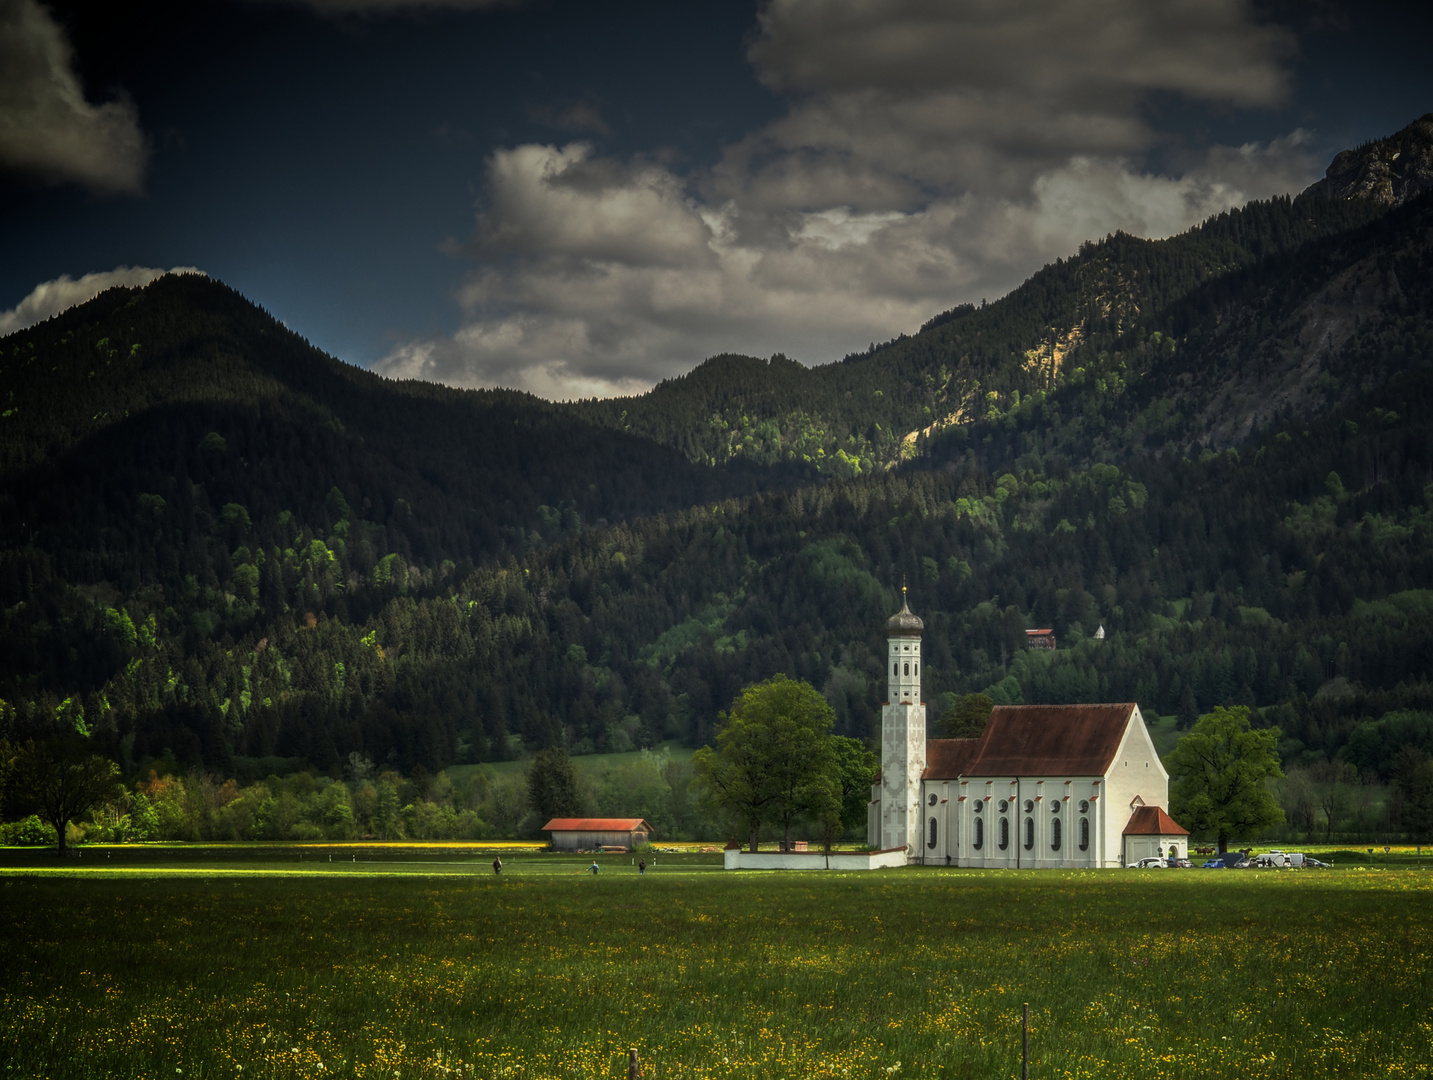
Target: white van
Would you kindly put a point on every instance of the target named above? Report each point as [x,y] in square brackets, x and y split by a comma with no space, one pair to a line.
[1278,859]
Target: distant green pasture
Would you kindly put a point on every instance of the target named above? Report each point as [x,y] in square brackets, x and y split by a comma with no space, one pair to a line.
[591,762]
[418,961]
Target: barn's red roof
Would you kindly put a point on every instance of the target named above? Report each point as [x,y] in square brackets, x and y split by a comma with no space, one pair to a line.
[597,824]
[1049,740]
[1153,821]
[945,759]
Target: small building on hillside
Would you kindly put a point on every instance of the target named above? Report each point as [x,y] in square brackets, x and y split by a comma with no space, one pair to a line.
[587,834]
[1040,639]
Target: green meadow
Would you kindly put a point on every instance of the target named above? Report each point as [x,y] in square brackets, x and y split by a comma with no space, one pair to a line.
[407,962]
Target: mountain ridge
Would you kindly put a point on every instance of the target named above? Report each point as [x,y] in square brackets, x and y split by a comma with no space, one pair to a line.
[273,555]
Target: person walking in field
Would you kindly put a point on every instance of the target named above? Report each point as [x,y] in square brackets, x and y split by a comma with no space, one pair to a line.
[642,867]
[497,866]
[594,868]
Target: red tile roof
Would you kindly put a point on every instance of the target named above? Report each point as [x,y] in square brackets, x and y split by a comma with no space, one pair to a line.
[1047,630]
[1153,821]
[1049,740]
[945,759]
[597,824]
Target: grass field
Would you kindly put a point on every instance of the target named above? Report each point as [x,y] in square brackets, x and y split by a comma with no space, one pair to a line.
[416,961]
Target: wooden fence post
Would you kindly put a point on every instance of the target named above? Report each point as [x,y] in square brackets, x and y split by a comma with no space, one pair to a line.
[1024,1043]
[634,1069]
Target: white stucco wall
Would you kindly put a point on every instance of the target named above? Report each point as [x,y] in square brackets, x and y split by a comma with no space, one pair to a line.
[956,813]
[903,673]
[813,860]
[1135,771]
[902,762]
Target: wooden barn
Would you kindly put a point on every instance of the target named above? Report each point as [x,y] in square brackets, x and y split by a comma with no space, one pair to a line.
[587,834]
[1041,639]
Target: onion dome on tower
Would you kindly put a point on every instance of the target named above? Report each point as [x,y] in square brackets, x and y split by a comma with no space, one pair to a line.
[903,623]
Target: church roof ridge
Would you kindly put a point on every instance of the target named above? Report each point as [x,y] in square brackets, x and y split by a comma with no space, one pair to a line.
[945,759]
[1050,740]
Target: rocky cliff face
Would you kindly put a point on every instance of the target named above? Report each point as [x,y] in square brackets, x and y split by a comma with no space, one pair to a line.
[1390,171]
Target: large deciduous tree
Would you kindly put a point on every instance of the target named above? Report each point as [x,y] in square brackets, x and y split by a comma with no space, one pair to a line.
[60,780]
[1413,774]
[1220,769]
[967,718]
[773,761]
[552,785]
[855,773]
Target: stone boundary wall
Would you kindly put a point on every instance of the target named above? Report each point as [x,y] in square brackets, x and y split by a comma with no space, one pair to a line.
[814,860]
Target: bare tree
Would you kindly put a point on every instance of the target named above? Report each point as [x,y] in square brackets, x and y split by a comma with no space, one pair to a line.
[1333,783]
[1298,801]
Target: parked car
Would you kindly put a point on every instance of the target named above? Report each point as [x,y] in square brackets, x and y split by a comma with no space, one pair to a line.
[1213,864]
[1309,860]
[1154,862]
[1181,864]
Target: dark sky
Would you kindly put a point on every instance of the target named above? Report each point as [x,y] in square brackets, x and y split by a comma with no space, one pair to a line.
[580,198]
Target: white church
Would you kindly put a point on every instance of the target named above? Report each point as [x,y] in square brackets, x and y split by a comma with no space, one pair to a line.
[1043,786]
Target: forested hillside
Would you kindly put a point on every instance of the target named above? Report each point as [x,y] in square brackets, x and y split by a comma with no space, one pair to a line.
[219,547]
[863,414]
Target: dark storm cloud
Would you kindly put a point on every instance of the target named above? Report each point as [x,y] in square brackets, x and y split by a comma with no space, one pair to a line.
[1089,51]
[363,7]
[48,130]
[901,97]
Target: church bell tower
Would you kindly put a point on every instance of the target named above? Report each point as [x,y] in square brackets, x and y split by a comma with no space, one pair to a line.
[902,733]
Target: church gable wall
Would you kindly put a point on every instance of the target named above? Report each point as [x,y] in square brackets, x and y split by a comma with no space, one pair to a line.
[1135,773]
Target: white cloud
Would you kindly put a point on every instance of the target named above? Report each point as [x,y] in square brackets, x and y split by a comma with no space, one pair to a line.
[47,128]
[932,152]
[52,297]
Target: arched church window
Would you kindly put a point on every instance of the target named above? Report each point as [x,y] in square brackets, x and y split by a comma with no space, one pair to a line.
[918,667]
[1029,806]
[1004,806]
[895,669]
[1055,835]
[979,834]
[908,669]
[1004,833]
[932,798]
[1084,806]
[978,806]
[1055,807]
[1084,834]
[1029,834]
[931,842]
